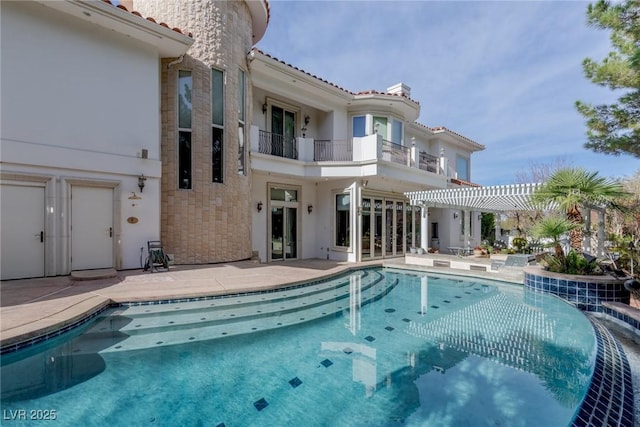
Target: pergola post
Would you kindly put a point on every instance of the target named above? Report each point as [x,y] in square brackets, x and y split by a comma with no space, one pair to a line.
[498,218]
[424,229]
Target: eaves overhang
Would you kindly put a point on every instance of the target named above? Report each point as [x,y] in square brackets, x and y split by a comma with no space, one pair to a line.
[404,107]
[169,42]
[500,198]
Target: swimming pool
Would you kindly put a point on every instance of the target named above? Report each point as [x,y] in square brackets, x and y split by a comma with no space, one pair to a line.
[372,347]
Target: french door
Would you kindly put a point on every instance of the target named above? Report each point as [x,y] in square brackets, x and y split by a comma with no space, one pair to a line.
[383,228]
[283,125]
[284,226]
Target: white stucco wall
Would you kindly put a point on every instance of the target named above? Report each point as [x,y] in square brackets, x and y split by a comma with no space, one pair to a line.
[80,102]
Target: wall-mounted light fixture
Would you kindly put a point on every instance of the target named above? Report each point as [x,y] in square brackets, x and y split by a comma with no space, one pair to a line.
[307,119]
[141,180]
[455,215]
[264,108]
[259,206]
[479,217]
[310,209]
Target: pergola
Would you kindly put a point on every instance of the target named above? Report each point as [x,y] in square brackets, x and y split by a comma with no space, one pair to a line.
[495,199]
[499,198]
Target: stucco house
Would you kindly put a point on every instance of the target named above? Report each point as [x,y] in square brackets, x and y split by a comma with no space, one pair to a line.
[118,129]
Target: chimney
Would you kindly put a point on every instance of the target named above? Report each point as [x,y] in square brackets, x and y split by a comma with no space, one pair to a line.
[400,89]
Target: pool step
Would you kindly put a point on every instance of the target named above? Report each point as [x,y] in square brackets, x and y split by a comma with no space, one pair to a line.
[151,326]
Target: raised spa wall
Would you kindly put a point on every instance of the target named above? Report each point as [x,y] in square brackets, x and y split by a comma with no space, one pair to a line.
[586,292]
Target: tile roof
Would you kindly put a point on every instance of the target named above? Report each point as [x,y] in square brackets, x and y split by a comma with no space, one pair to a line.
[150,19]
[368,92]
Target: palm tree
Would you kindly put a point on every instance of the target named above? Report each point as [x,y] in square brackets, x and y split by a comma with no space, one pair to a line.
[571,189]
[553,227]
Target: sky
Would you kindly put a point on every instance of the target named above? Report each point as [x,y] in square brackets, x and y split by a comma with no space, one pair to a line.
[505,74]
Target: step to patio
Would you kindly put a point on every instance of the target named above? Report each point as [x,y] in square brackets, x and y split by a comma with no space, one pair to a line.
[148,326]
[98,274]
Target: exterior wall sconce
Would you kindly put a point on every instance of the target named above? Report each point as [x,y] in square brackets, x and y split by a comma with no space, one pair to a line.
[304,127]
[310,209]
[259,206]
[479,217]
[264,108]
[141,180]
[455,215]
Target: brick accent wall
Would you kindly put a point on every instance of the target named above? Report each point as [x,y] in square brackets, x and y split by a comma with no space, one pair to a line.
[212,221]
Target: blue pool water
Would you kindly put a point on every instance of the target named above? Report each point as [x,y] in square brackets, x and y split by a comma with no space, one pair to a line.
[375,347]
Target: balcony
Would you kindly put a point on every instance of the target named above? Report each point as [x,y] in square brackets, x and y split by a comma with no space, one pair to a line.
[341,155]
[277,145]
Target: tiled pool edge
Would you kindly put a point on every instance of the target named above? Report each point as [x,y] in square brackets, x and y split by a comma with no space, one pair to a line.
[587,293]
[609,400]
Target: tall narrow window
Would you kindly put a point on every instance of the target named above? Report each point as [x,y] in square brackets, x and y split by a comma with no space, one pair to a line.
[184,129]
[359,126]
[241,122]
[396,132]
[217,125]
[343,215]
[462,168]
[380,126]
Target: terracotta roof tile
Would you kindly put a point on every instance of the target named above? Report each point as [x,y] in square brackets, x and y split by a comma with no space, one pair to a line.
[368,92]
[150,19]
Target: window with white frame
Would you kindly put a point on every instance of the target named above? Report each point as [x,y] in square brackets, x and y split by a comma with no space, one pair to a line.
[462,168]
[343,220]
[359,126]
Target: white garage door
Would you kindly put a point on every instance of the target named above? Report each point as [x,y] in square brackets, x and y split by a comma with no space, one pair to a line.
[22,231]
[91,228]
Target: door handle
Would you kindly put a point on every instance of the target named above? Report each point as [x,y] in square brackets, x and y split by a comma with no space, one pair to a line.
[41,235]
[110,231]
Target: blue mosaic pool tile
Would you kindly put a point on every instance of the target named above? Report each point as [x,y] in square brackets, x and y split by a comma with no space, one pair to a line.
[260,404]
[295,382]
[326,363]
[370,338]
[609,400]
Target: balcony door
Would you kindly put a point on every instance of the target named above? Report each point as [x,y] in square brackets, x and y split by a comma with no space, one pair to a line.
[283,129]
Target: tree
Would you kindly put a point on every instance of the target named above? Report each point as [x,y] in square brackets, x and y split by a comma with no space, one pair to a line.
[553,227]
[572,189]
[615,129]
